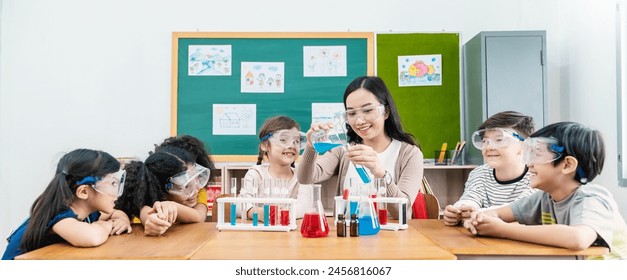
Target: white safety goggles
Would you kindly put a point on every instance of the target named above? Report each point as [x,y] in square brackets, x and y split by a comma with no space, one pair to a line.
[287,138]
[541,150]
[187,182]
[112,184]
[494,137]
[367,113]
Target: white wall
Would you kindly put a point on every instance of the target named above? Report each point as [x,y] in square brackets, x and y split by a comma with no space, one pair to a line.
[93,74]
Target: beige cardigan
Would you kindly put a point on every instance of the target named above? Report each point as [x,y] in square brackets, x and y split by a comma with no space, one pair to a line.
[330,169]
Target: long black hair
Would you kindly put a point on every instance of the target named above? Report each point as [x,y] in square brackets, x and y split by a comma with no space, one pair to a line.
[194,146]
[145,181]
[393,126]
[61,191]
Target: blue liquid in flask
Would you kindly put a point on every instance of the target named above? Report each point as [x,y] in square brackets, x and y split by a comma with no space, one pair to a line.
[366,226]
[323,147]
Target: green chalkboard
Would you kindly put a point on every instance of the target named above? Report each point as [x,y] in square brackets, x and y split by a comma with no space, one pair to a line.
[430,112]
[194,95]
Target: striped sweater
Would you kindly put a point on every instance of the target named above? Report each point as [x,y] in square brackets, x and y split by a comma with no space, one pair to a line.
[483,190]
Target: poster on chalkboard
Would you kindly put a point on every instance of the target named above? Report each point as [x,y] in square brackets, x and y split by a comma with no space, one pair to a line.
[234,119]
[209,60]
[263,77]
[324,61]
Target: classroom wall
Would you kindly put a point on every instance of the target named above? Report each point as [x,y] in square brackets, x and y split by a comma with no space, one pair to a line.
[97,74]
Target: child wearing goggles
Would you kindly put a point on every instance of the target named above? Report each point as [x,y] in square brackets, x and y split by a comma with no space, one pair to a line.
[280,142]
[168,184]
[503,177]
[567,212]
[77,206]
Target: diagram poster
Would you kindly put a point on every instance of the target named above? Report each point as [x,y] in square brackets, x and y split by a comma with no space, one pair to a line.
[234,119]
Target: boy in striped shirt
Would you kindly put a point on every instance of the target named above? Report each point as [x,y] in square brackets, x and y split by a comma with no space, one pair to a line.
[503,178]
[568,212]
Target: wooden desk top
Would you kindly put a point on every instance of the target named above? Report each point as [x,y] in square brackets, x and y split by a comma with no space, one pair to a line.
[180,242]
[406,244]
[460,241]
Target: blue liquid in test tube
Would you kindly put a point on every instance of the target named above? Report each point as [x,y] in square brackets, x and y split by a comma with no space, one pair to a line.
[362,174]
[233,214]
[266,214]
[255,218]
[353,208]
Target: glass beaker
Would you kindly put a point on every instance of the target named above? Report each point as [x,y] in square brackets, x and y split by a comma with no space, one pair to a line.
[324,141]
[314,222]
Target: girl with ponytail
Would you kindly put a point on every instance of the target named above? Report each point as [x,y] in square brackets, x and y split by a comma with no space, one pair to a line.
[76,207]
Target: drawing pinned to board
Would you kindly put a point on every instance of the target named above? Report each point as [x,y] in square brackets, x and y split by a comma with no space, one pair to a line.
[420,70]
[324,61]
[209,60]
[263,77]
[234,119]
[325,112]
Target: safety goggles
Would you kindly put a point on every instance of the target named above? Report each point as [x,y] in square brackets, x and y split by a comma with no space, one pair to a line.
[112,184]
[287,138]
[494,137]
[186,183]
[368,113]
[541,150]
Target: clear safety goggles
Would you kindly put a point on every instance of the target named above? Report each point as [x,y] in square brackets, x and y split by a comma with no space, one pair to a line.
[186,183]
[112,184]
[368,113]
[494,137]
[541,150]
[287,138]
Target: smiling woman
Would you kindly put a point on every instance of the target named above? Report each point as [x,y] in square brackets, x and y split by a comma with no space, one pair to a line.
[379,147]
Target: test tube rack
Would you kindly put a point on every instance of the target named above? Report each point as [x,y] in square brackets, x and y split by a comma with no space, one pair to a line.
[242,224]
[340,203]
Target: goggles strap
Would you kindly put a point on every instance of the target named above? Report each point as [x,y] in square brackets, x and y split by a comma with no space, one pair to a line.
[582,176]
[89,180]
[265,137]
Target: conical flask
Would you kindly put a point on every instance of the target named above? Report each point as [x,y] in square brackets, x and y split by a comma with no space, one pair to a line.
[367,214]
[314,221]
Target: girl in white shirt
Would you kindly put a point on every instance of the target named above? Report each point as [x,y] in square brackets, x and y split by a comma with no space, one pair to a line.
[280,142]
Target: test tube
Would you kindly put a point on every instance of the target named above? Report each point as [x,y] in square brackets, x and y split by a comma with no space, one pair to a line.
[255,215]
[285,210]
[381,188]
[275,191]
[266,207]
[233,213]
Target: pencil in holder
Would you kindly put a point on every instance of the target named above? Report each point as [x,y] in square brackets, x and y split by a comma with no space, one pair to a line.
[441,157]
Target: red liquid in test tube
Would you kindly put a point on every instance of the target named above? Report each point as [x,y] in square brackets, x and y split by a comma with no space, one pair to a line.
[285,217]
[383,216]
[273,213]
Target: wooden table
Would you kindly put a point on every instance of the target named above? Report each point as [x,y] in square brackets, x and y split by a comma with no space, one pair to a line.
[406,244]
[180,242]
[464,245]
